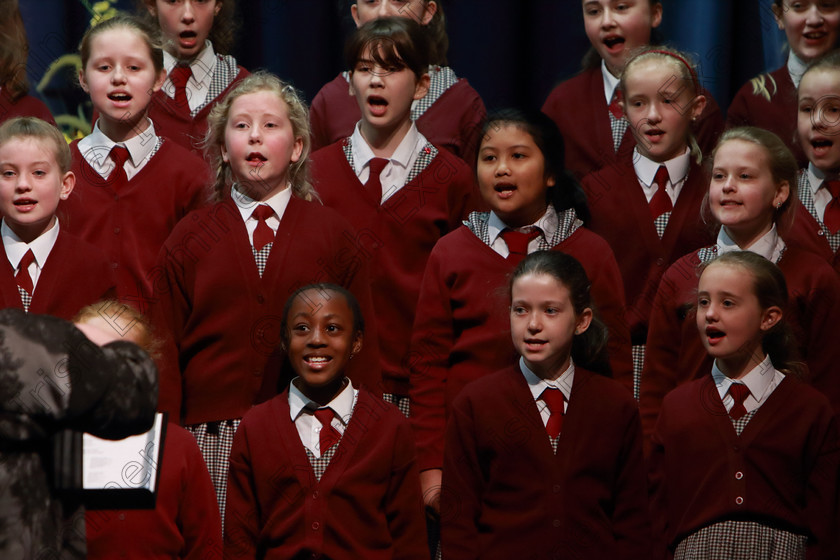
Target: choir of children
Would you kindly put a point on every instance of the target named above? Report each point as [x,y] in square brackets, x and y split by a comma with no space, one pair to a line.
[294,293]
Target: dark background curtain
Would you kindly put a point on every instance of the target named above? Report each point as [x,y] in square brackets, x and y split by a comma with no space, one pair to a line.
[512,51]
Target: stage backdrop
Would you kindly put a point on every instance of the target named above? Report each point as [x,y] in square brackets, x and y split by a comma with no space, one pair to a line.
[512,51]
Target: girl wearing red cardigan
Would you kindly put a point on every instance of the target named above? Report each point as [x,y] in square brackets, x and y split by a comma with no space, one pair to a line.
[752,194]
[745,462]
[421,192]
[817,224]
[132,185]
[325,469]
[450,114]
[647,204]
[507,488]
[226,271]
[460,331]
[199,73]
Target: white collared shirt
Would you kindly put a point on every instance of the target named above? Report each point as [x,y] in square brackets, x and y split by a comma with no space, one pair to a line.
[770,245]
[762,380]
[537,385]
[677,173]
[41,248]
[96,149]
[394,176]
[819,191]
[796,67]
[198,85]
[548,222]
[610,82]
[302,409]
[278,202]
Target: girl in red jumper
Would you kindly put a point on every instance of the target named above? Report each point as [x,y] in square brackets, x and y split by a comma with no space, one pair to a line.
[817,224]
[132,186]
[15,100]
[460,331]
[185,522]
[586,107]
[647,204]
[449,115]
[752,194]
[196,35]
[422,192]
[226,271]
[746,461]
[508,488]
[325,469]
[769,100]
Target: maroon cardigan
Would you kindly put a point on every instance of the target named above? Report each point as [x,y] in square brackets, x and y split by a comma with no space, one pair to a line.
[366,505]
[675,352]
[621,215]
[224,319]
[580,110]
[75,275]
[462,328]
[131,225]
[453,121]
[784,466]
[506,494]
[174,122]
[23,106]
[398,237]
[185,523]
[778,114]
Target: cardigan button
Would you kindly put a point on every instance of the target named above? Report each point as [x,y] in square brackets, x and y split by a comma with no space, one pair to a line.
[739,475]
[739,500]
[556,523]
[260,298]
[315,495]
[660,262]
[117,230]
[556,488]
[316,526]
[122,517]
[820,232]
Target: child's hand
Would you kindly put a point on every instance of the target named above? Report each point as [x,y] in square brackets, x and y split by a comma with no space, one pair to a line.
[430,484]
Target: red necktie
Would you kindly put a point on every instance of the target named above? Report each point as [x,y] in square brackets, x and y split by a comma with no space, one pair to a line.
[517,243]
[740,393]
[179,76]
[554,399]
[329,435]
[263,235]
[374,183]
[22,277]
[614,106]
[119,155]
[831,218]
[660,202]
